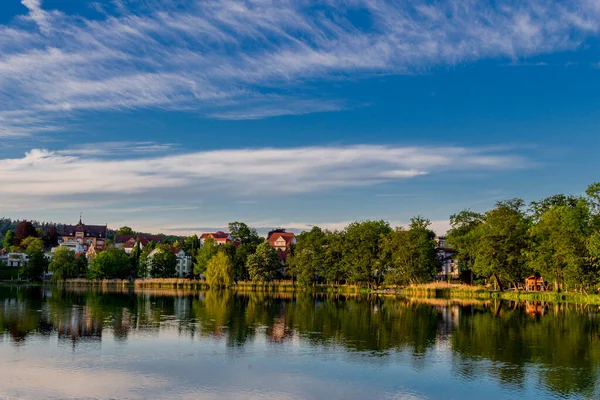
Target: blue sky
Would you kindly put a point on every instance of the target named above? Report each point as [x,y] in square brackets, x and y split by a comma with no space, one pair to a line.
[180,116]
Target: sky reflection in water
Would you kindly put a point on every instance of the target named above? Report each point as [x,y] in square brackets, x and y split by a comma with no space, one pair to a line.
[161,344]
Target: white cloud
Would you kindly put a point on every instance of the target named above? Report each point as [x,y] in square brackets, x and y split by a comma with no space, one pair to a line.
[100,173]
[234,59]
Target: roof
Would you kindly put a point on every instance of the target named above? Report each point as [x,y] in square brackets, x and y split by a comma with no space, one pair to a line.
[287,236]
[97,231]
[151,238]
[130,244]
[216,235]
[174,250]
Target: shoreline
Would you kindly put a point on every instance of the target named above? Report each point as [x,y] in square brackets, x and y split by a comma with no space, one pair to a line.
[425,291]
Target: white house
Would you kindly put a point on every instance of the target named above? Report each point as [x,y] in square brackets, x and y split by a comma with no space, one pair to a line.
[14,260]
[446,256]
[184,263]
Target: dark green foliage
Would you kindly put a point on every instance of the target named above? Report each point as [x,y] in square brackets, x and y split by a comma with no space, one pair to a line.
[35,267]
[163,263]
[263,265]
[242,233]
[190,245]
[308,261]
[463,236]
[503,241]
[361,251]
[64,265]
[125,230]
[410,256]
[203,256]
[111,263]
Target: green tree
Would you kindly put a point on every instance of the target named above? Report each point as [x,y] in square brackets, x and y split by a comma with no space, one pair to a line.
[163,263]
[538,208]
[560,245]
[410,256]
[307,261]
[242,252]
[63,265]
[229,249]
[191,244]
[334,269]
[361,251]
[205,253]
[219,272]
[143,269]
[463,237]
[35,267]
[32,244]
[125,230]
[263,265]
[593,193]
[135,259]
[504,240]
[242,233]
[112,263]
[10,240]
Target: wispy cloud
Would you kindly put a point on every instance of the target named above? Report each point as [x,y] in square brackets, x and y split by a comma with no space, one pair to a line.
[45,177]
[233,59]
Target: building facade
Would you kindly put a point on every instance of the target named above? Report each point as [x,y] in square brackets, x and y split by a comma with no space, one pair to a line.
[446,257]
[220,238]
[82,236]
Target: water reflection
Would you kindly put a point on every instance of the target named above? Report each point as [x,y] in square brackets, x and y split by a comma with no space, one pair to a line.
[554,346]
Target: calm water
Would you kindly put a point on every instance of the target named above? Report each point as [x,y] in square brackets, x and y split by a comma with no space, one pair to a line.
[160,344]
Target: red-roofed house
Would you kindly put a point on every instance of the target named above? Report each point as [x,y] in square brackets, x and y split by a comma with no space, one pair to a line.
[127,242]
[220,238]
[282,242]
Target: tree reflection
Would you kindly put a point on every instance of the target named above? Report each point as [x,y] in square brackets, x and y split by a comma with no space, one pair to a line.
[557,346]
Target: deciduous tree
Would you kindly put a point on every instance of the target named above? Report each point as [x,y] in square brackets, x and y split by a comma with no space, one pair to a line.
[163,263]
[502,245]
[307,261]
[263,265]
[112,263]
[63,264]
[10,240]
[24,230]
[205,253]
[361,251]
[219,272]
[409,255]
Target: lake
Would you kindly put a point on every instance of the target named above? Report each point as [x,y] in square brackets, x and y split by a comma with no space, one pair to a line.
[226,345]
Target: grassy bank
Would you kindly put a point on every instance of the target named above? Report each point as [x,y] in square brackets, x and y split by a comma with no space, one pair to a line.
[425,291]
[190,284]
[445,291]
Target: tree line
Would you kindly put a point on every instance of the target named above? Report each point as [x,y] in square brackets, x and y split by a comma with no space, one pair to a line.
[557,237]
